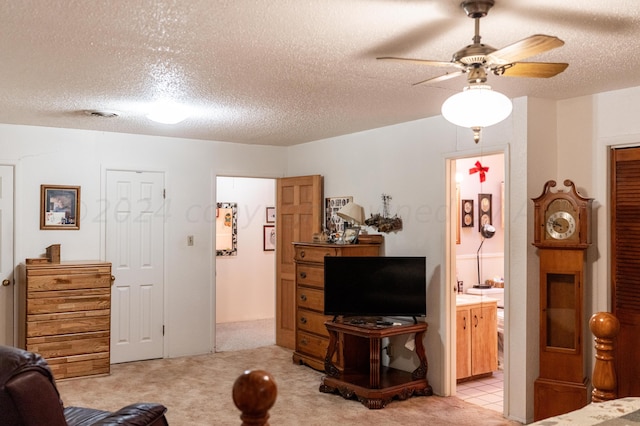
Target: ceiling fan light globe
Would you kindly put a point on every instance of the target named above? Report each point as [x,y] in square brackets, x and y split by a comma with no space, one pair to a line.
[477,106]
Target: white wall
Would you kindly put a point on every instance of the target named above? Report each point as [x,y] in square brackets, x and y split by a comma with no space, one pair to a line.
[588,128]
[407,161]
[78,157]
[245,283]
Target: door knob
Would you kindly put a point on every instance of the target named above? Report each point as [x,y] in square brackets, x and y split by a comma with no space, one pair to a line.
[5,283]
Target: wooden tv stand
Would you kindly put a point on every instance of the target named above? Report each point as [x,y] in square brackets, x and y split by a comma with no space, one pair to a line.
[363,377]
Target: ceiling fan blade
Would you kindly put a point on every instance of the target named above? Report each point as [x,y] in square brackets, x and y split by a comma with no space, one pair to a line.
[524,48]
[531,69]
[422,61]
[443,77]
[412,38]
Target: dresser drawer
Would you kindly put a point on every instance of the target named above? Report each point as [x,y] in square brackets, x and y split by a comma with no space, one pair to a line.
[314,254]
[43,280]
[79,365]
[309,298]
[44,302]
[312,322]
[310,275]
[41,325]
[69,344]
[311,344]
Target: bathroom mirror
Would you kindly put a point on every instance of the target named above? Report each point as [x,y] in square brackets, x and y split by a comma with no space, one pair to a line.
[226,229]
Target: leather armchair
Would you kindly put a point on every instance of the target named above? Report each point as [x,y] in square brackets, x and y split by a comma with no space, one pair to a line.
[29,397]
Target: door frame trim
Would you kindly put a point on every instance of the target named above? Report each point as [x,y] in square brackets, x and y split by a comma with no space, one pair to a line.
[449,379]
[15,247]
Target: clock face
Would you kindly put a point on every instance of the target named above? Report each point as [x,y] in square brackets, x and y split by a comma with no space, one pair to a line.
[561,225]
[562,218]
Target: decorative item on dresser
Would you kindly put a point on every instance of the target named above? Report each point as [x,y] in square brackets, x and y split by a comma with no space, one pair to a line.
[68,316]
[312,337]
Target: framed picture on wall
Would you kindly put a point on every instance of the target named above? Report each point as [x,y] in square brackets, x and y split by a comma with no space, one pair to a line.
[467,213]
[271,215]
[59,207]
[268,238]
[333,222]
[484,210]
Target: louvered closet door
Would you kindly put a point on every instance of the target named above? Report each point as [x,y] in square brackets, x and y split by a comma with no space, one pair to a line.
[625,265]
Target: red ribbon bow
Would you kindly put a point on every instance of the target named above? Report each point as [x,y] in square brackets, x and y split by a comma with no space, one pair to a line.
[479,169]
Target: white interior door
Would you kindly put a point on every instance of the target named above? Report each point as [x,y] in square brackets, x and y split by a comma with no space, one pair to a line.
[134,246]
[6,256]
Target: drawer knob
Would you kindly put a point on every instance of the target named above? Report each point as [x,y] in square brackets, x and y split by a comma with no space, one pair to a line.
[303,297]
[303,342]
[303,275]
[5,283]
[301,253]
[303,320]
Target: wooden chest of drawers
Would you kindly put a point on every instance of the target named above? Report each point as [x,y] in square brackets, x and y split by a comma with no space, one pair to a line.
[312,337]
[68,316]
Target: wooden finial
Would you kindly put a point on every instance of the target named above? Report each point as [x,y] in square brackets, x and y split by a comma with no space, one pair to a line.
[254,393]
[605,327]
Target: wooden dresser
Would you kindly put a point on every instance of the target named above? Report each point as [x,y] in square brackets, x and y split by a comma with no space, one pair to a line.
[312,337]
[68,312]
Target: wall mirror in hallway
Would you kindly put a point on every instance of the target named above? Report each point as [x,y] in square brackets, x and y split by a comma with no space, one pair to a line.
[226,229]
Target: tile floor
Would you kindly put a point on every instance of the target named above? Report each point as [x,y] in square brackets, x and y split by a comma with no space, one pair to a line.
[487,392]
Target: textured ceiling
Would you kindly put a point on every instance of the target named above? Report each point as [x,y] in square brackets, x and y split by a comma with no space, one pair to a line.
[283,72]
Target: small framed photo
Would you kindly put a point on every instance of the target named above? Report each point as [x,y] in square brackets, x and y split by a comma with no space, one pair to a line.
[350,235]
[269,238]
[467,213]
[271,215]
[59,207]
[334,224]
[484,210]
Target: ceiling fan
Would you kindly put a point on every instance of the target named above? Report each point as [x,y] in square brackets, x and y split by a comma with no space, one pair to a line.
[478,59]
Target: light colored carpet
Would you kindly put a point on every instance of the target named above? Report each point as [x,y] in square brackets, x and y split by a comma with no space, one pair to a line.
[198,391]
[235,336]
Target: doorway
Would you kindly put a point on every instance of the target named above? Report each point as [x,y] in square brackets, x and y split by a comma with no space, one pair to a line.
[245,277]
[479,261]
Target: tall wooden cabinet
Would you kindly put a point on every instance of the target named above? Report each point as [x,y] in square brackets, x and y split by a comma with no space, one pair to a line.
[476,339]
[312,337]
[68,311]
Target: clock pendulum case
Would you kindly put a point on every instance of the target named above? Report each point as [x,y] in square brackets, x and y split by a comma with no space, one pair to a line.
[562,235]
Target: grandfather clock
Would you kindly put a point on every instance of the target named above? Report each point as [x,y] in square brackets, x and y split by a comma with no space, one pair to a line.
[562,235]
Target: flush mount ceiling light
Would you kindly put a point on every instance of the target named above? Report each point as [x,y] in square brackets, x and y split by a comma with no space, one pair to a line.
[477,106]
[167,112]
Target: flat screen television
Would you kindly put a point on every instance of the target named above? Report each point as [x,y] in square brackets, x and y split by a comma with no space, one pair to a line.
[375,286]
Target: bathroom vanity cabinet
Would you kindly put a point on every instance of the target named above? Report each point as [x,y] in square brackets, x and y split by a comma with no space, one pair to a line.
[477,337]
